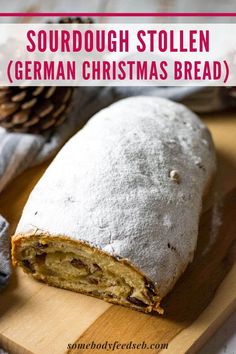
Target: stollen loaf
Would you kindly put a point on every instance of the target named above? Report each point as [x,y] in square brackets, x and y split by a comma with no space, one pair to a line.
[116,214]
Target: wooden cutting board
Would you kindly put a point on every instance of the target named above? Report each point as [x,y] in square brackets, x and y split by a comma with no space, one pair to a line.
[38,319]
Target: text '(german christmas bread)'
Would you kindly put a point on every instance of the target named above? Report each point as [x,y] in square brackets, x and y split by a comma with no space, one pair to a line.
[116,214]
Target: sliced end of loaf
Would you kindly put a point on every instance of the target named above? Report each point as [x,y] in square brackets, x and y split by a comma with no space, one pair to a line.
[74,265]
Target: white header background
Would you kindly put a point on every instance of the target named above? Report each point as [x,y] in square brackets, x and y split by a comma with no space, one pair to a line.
[13,42]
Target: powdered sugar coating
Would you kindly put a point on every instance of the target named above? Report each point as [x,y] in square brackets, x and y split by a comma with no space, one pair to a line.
[111,186]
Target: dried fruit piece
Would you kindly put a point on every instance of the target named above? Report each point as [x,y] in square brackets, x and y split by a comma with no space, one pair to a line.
[93,281]
[96,268]
[151,289]
[77,263]
[136,301]
[40,258]
[41,245]
[28,265]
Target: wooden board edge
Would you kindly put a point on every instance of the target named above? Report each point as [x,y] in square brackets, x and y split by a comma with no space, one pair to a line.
[191,339]
[11,346]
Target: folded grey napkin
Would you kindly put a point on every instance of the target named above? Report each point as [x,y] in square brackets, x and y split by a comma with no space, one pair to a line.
[2,351]
[20,151]
[5,268]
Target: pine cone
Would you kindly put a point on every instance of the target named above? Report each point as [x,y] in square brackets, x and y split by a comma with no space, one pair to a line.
[33,109]
[68,20]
